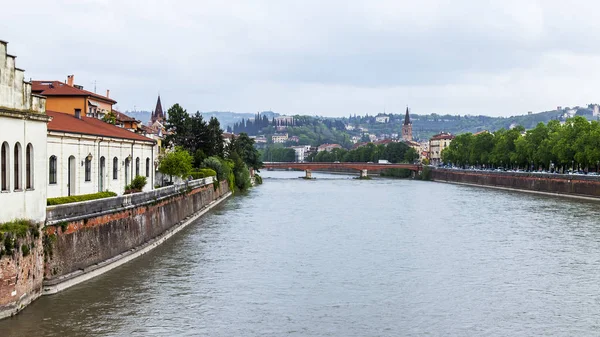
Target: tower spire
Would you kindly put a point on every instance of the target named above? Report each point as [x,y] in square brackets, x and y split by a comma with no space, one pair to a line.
[158,114]
[406,117]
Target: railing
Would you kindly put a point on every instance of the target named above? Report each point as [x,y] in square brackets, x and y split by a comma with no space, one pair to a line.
[85,209]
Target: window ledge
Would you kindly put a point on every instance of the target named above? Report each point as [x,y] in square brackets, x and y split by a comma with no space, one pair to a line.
[30,189]
[51,183]
[19,190]
[5,191]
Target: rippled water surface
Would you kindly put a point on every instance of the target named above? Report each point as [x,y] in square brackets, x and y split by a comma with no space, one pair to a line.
[342,257]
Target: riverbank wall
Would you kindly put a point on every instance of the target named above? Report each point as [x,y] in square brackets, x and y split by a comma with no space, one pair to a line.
[579,186]
[82,240]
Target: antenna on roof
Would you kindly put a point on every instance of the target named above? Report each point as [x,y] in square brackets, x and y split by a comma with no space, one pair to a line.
[95,82]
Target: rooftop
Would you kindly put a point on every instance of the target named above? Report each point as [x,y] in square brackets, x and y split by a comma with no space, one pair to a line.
[62,122]
[57,88]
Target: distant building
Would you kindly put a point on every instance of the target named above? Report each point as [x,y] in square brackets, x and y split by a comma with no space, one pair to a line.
[294,139]
[284,121]
[302,152]
[328,147]
[382,119]
[596,110]
[437,144]
[407,127]
[279,138]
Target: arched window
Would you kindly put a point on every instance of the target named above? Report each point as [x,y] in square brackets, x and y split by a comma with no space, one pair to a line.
[147,167]
[5,166]
[127,163]
[137,166]
[17,166]
[115,168]
[88,168]
[29,166]
[52,168]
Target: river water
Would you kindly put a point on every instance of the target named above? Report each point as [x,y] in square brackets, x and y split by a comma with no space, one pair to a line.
[343,257]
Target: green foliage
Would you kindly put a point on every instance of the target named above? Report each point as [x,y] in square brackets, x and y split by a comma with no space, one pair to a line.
[203,173]
[194,134]
[19,227]
[425,174]
[278,153]
[25,249]
[110,118]
[258,179]
[79,198]
[574,145]
[244,147]
[215,163]
[396,173]
[240,172]
[177,163]
[396,152]
[137,185]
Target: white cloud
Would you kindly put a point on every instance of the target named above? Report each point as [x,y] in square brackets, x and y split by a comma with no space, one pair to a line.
[326,57]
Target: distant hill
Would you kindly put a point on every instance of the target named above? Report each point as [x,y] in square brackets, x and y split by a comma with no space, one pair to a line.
[228,118]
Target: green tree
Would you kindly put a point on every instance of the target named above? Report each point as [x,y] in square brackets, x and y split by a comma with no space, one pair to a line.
[177,126]
[176,163]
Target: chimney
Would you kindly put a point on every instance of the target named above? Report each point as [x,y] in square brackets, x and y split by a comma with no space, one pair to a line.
[78,113]
[107,93]
[70,80]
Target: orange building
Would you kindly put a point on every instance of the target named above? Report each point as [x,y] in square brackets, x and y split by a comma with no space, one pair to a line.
[69,97]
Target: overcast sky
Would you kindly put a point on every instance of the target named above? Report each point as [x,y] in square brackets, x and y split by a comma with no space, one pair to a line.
[330,58]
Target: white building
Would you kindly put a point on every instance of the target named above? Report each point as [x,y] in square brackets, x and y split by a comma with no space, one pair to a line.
[279,138]
[86,155]
[301,152]
[382,119]
[22,145]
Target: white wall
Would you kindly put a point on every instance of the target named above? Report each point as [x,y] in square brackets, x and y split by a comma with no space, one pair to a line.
[64,145]
[24,203]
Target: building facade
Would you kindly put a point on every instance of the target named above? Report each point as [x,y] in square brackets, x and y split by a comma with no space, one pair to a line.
[69,97]
[22,145]
[279,138]
[437,144]
[86,155]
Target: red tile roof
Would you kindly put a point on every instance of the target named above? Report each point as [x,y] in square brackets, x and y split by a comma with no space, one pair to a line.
[89,126]
[121,117]
[57,88]
[442,136]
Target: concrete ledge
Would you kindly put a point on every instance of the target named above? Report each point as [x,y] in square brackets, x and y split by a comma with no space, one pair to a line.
[59,284]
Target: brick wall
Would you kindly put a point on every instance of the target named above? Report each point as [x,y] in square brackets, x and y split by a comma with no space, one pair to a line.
[85,234]
[21,276]
[588,186]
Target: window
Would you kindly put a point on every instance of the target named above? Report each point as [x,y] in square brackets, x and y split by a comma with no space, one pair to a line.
[127,161]
[17,166]
[5,165]
[115,168]
[28,166]
[52,166]
[147,167]
[137,166]
[88,169]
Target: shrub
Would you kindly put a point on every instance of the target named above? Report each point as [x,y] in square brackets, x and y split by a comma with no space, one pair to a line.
[203,173]
[18,227]
[258,179]
[138,183]
[216,165]
[79,198]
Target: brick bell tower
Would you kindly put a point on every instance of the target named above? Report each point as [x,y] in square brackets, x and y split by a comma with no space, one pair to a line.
[407,127]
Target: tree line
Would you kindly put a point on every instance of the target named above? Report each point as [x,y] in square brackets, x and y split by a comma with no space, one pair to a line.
[196,144]
[393,152]
[553,146]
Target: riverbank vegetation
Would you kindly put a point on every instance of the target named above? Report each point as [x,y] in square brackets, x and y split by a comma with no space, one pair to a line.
[79,198]
[200,150]
[392,152]
[574,145]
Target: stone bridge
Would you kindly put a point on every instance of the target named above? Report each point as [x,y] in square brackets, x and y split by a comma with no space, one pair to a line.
[363,168]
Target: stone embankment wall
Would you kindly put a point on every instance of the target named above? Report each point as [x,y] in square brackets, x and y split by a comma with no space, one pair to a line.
[80,236]
[572,185]
[21,272]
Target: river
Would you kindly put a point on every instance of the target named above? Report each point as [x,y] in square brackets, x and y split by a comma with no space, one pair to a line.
[343,257]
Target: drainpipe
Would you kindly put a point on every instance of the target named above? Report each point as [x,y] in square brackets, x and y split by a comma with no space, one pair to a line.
[132,160]
[151,169]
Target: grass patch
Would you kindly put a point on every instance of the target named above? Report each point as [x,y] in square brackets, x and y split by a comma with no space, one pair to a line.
[79,198]
[16,227]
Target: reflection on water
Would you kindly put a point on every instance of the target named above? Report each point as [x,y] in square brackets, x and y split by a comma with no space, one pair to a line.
[342,257]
